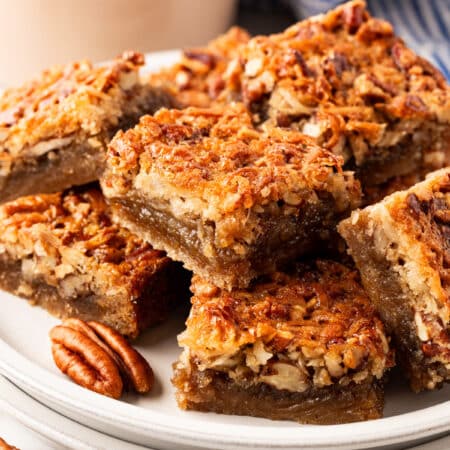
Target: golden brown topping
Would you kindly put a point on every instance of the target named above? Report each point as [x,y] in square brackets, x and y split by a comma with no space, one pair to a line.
[218,158]
[96,357]
[64,100]
[320,306]
[316,317]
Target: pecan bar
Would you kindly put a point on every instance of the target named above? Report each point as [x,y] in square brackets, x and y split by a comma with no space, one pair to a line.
[54,129]
[304,345]
[347,80]
[402,248]
[63,252]
[197,79]
[228,201]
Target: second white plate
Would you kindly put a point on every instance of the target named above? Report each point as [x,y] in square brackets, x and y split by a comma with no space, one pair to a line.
[53,426]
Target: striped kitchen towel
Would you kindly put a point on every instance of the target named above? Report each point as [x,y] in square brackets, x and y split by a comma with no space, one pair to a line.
[423,24]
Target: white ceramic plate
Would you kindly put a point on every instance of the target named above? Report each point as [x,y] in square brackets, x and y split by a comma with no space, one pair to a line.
[155,420]
[53,426]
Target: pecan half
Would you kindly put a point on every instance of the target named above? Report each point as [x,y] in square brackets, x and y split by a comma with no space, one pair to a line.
[98,358]
[85,362]
[135,368]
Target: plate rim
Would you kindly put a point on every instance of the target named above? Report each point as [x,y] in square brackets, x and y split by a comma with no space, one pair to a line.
[402,428]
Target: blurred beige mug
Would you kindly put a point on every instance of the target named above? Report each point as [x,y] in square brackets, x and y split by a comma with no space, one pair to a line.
[36,34]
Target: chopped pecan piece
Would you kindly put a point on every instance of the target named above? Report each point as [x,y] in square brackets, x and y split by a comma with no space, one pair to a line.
[353,16]
[204,57]
[307,72]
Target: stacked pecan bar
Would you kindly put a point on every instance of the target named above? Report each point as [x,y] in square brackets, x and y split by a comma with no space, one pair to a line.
[63,252]
[402,249]
[54,129]
[228,201]
[347,80]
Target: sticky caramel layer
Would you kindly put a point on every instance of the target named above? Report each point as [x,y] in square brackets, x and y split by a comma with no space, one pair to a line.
[212,391]
[160,295]
[284,238]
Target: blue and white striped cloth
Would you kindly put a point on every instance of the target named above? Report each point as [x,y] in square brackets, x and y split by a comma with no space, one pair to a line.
[423,24]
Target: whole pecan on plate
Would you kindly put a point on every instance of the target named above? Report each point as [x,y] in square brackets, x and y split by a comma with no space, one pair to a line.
[99,358]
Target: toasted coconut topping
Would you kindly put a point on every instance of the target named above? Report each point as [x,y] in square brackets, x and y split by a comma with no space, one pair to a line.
[56,236]
[77,99]
[345,79]
[314,326]
[198,78]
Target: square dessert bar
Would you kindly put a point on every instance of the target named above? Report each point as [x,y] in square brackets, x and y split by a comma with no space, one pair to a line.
[402,248]
[347,80]
[197,79]
[304,346]
[228,201]
[63,252]
[54,129]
